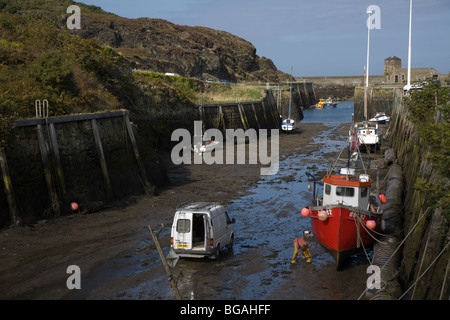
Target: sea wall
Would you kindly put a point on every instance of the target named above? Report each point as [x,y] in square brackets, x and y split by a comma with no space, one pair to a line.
[261,114]
[423,270]
[337,93]
[89,158]
[93,159]
[379,99]
[303,97]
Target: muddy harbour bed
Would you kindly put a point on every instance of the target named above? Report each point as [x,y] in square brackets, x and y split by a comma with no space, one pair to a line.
[118,259]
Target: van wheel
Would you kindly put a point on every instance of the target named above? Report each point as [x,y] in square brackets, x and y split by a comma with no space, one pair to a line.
[230,245]
[216,256]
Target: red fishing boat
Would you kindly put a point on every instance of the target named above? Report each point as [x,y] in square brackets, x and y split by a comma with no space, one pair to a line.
[344,219]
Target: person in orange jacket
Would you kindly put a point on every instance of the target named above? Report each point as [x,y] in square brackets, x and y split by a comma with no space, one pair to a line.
[301,247]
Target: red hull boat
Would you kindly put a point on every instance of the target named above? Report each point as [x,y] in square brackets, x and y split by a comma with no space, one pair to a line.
[339,233]
[345,219]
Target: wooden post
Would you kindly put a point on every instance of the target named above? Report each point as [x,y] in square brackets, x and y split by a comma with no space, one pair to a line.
[143,174]
[101,155]
[55,149]
[241,113]
[221,122]
[173,283]
[48,174]
[265,115]
[9,189]
[274,113]
[256,116]
[201,112]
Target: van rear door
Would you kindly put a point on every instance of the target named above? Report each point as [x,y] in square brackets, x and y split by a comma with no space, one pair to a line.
[182,238]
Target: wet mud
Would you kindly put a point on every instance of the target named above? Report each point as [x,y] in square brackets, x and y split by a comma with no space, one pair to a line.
[118,259]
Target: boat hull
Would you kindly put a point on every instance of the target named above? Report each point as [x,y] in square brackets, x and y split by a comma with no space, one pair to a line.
[288,125]
[338,233]
[381,121]
[207,147]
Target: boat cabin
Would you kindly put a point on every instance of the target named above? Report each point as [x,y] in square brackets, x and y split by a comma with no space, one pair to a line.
[347,189]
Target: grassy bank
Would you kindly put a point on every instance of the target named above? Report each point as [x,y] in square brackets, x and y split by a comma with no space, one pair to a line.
[199,90]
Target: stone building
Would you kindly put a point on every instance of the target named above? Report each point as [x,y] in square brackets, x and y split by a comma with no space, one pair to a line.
[394,73]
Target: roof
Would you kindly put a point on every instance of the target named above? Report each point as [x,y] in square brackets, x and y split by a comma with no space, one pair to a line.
[349,181]
[195,206]
[392,58]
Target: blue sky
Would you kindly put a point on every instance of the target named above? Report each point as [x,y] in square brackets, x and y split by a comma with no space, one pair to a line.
[318,38]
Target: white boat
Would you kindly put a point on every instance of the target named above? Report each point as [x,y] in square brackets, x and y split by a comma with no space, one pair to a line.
[330,104]
[205,146]
[289,124]
[380,118]
[366,134]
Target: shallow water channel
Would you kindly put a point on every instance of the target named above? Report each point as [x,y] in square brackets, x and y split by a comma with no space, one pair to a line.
[267,221]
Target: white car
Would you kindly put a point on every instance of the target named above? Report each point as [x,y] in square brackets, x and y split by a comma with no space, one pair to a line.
[412,86]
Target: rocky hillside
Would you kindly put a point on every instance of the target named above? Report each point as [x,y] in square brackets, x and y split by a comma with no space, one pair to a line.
[158,45]
[161,46]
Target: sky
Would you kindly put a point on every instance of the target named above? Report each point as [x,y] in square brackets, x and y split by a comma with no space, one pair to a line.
[315,37]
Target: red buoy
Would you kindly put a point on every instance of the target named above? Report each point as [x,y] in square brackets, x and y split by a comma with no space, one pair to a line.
[371,224]
[306,211]
[74,206]
[382,198]
[322,215]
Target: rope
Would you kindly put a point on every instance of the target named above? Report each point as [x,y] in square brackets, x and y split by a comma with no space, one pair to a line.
[398,247]
[445,279]
[440,253]
[358,234]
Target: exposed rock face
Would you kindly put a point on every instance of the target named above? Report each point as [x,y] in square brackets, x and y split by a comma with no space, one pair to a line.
[161,46]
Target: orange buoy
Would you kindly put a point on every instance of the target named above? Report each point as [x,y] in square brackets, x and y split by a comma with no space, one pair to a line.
[371,224]
[306,212]
[322,215]
[382,198]
[74,206]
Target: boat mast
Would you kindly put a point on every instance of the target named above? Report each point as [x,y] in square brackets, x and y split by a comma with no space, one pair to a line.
[290,95]
[409,46]
[369,12]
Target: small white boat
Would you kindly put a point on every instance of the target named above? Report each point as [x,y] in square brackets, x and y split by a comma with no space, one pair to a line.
[329,104]
[367,134]
[288,125]
[205,146]
[380,118]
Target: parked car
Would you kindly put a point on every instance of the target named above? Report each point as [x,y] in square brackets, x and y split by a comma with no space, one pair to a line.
[201,229]
[210,80]
[416,85]
[225,82]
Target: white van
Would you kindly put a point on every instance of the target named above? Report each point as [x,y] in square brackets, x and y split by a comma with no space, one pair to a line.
[201,229]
